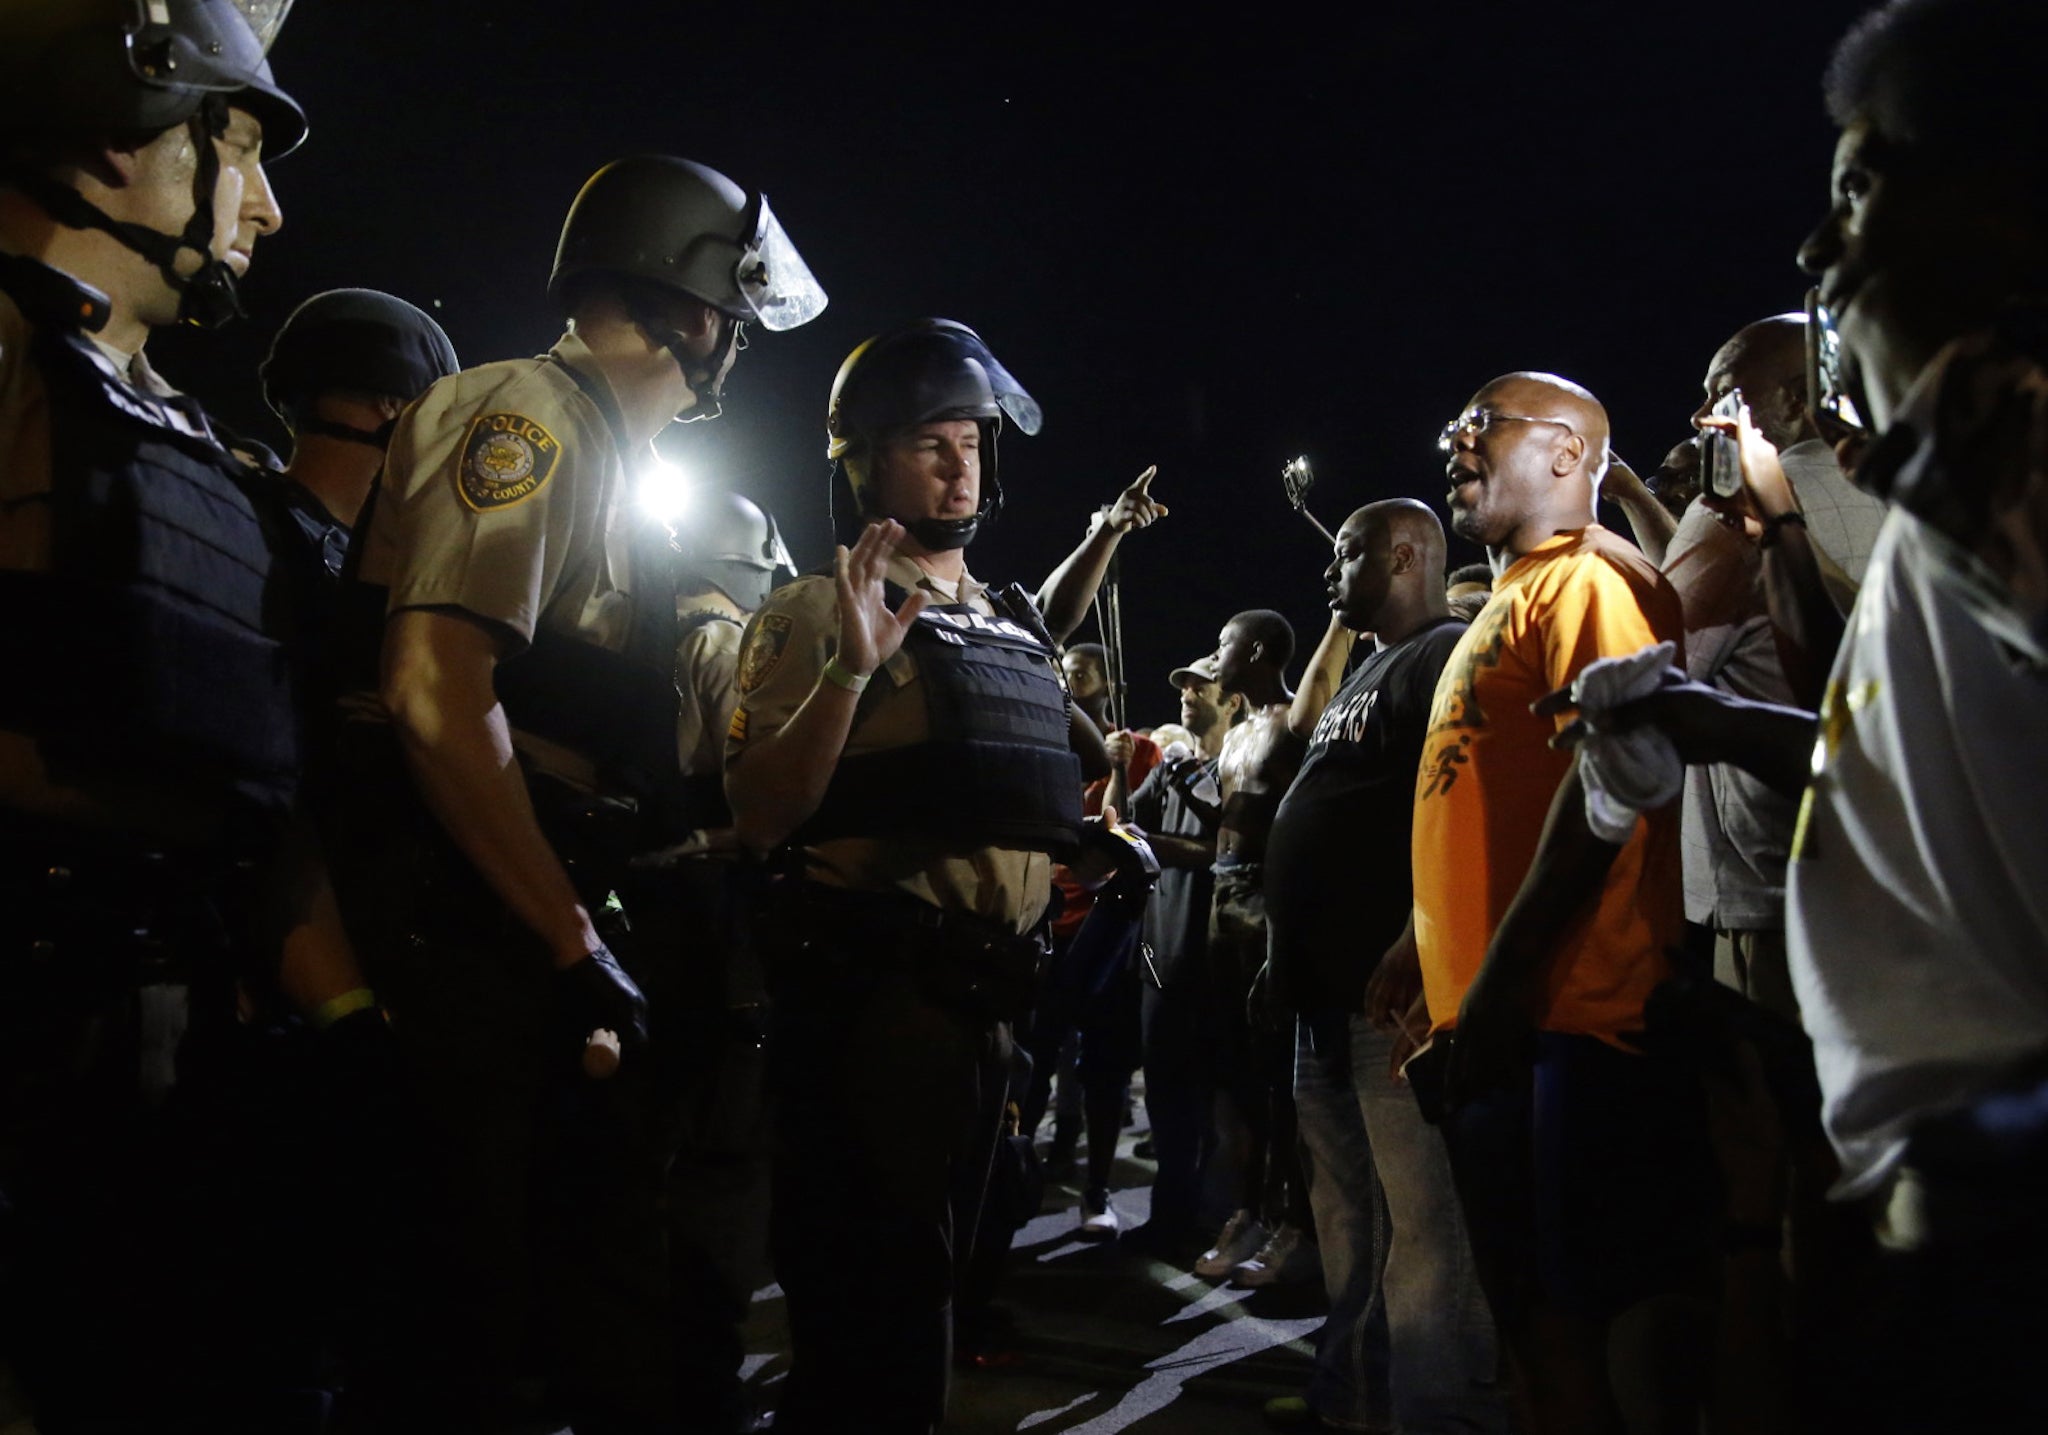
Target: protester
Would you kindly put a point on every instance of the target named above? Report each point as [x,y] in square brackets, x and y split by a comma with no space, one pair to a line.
[1178,806]
[1466,590]
[1540,938]
[1086,1082]
[1408,1342]
[1915,918]
[1257,1161]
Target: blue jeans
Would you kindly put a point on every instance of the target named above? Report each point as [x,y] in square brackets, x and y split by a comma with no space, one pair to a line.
[1408,1344]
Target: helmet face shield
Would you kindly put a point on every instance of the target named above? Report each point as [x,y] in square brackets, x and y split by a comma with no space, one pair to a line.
[778,552]
[772,279]
[266,18]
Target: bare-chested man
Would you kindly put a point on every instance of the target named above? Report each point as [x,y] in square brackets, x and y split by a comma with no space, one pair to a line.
[1255,1103]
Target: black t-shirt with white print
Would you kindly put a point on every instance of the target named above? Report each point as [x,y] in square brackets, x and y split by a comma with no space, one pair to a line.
[1339,883]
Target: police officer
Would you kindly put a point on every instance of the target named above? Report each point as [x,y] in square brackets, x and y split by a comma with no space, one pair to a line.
[518,640]
[903,733]
[702,979]
[147,742]
[339,371]
[731,553]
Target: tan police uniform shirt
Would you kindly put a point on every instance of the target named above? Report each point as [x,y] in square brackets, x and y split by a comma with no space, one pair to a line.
[784,652]
[707,678]
[505,497]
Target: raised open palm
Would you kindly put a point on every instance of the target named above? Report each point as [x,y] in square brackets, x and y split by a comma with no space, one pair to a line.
[869,633]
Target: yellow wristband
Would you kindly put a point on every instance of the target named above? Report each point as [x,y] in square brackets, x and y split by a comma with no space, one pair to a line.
[841,677]
[347,1004]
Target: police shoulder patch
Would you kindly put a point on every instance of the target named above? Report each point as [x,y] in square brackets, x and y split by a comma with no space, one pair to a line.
[505,459]
[766,643]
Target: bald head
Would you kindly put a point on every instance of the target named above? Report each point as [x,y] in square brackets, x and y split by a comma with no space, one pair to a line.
[1394,522]
[1767,361]
[1384,575]
[1551,396]
[1526,461]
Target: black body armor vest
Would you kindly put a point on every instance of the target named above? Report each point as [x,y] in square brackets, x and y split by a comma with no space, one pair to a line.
[155,646]
[997,769]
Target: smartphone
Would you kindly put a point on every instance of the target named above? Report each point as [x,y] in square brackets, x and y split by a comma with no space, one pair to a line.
[1720,454]
[1827,396]
[1424,1073]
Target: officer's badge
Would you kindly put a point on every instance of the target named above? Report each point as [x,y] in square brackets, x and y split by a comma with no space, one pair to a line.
[507,458]
[766,642]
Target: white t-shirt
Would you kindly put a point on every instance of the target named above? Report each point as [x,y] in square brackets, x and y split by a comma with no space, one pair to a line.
[1918,899]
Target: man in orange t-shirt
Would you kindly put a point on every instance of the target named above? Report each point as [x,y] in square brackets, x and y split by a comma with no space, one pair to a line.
[1579,1161]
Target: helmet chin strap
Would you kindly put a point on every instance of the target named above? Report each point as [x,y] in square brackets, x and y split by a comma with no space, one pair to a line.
[209,296]
[706,379]
[935,535]
[942,534]
[702,375]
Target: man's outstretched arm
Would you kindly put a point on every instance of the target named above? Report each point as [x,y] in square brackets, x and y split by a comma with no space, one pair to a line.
[1066,594]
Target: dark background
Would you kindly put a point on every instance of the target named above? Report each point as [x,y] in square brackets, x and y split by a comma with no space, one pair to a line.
[1208,242]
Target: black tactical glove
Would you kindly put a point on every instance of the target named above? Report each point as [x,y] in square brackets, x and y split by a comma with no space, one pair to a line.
[596,993]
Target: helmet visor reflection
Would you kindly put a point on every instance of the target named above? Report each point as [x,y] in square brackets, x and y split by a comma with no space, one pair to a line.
[266,18]
[773,279]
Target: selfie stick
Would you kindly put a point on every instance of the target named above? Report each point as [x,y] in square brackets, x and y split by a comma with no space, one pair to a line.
[1297,479]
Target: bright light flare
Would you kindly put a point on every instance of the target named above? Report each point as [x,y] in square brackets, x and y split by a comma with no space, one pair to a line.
[665,491]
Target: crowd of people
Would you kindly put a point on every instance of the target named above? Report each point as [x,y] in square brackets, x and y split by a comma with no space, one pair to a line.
[459,933]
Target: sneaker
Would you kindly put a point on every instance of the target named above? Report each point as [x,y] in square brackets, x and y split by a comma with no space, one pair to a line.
[1099,1221]
[1238,1242]
[1278,1260]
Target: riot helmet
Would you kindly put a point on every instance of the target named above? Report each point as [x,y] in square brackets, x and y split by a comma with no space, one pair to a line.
[673,224]
[927,371]
[84,69]
[733,545]
[358,340]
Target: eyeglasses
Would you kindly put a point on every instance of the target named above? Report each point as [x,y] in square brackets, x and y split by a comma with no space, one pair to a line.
[1480,419]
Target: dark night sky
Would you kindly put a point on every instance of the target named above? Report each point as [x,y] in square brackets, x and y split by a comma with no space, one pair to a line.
[1204,244]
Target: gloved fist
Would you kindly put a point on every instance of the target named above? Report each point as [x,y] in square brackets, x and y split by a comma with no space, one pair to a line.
[596,994]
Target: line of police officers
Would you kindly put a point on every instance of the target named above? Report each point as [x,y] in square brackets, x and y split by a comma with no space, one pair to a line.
[445,823]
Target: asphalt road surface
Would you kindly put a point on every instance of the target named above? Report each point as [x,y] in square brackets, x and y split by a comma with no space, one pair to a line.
[1105,1342]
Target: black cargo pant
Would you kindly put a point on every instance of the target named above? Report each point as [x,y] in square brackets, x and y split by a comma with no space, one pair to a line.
[889,1065]
[531,1243]
[154,1202]
[708,1020]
